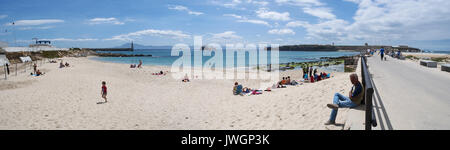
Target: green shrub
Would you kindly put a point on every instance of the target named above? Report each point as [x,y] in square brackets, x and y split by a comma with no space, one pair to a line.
[50,54]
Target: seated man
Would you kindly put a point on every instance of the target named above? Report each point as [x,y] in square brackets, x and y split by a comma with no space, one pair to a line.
[237,89]
[340,101]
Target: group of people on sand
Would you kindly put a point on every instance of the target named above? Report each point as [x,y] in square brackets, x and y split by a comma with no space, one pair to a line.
[286,81]
[240,90]
[138,66]
[61,65]
[36,72]
[311,75]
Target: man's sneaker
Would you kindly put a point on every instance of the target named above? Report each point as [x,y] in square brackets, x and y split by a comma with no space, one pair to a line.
[333,106]
[330,123]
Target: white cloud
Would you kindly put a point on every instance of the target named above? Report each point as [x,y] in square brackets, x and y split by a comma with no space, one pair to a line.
[35,28]
[228,35]
[3,16]
[71,40]
[151,32]
[183,8]
[297,24]
[272,15]
[244,19]
[382,22]
[281,31]
[321,12]
[405,19]
[234,16]
[35,22]
[235,3]
[261,22]
[300,2]
[111,20]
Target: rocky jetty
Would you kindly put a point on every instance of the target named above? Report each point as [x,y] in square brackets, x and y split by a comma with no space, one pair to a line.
[120,55]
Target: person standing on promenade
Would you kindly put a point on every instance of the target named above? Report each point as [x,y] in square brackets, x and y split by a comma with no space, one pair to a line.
[382,53]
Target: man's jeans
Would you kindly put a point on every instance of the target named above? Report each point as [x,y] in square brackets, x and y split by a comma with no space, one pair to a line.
[342,102]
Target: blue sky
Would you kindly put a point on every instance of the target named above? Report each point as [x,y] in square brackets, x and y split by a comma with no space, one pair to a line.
[108,23]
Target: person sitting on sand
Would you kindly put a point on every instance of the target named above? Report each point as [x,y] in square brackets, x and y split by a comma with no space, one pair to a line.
[186,78]
[38,73]
[283,82]
[339,101]
[61,65]
[67,64]
[319,77]
[315,75]
[288,80]
[133,66]
[237,89]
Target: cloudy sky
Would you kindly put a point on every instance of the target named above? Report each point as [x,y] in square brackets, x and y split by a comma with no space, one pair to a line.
[102,23]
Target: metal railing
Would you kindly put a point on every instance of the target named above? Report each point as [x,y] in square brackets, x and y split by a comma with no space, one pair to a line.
[368,87]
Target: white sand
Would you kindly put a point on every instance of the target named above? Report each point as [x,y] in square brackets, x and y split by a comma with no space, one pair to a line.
[430,55]
[67,99]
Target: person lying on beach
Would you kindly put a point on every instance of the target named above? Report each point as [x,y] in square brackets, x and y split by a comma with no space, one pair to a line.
[237,89]
[104,91]
[280,85]
[354,99]
[159,73]
[133,66]
[186,78]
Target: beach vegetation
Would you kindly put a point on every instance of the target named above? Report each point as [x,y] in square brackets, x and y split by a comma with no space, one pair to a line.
[50,54]
[439,59]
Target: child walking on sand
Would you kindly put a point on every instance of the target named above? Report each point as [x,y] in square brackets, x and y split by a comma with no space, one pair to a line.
[104,91]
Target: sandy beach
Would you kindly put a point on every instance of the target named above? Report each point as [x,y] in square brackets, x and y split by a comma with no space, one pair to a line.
[68,98]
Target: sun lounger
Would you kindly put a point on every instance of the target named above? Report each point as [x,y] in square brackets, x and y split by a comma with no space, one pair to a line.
[445,67]
[428,63]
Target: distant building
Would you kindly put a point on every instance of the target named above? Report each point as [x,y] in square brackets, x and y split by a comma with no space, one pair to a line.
[43,45]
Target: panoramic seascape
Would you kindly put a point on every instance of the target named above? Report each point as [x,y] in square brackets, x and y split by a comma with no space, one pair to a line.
[244,68]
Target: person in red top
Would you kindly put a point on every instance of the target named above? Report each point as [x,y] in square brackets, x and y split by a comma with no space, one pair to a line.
[104,91]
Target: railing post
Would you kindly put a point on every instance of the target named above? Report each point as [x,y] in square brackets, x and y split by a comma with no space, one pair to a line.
[4,68]
[369,109]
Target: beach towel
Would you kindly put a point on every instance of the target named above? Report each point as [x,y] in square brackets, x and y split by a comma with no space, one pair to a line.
[256,92]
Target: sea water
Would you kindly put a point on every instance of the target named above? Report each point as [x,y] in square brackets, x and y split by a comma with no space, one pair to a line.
[162,57]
